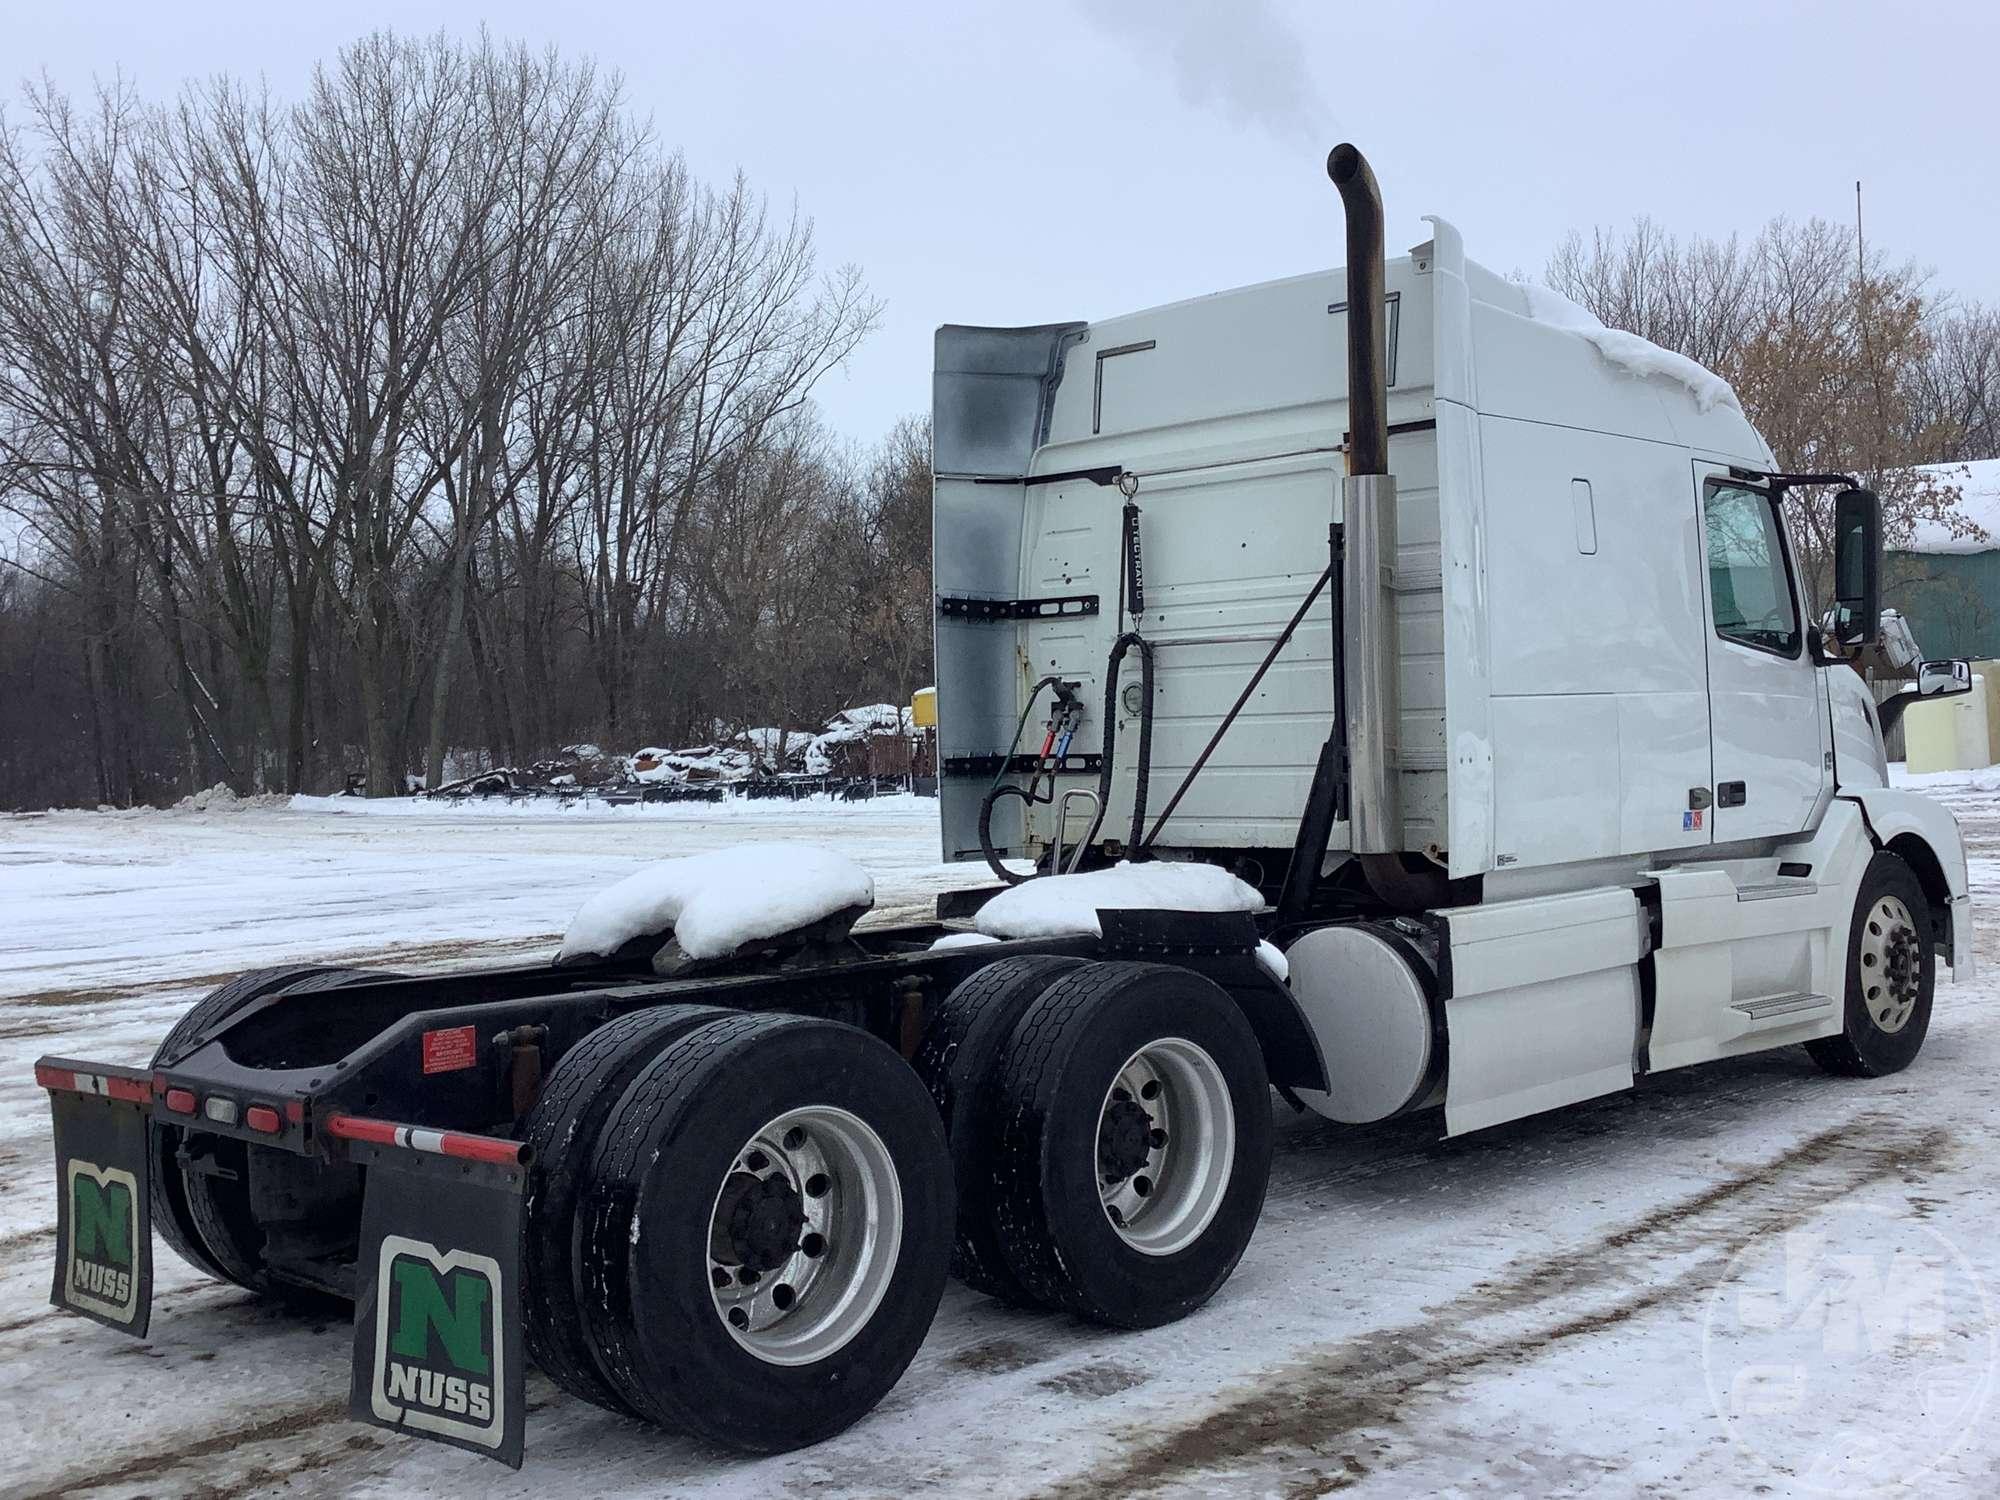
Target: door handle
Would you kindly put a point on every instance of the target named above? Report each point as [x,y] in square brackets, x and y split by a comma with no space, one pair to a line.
[1731,794]
[1698,798]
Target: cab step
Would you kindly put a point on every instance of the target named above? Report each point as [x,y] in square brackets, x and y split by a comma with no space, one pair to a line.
[1776,1012]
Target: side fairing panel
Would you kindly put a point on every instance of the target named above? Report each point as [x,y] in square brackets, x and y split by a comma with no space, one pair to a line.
[1544,1003]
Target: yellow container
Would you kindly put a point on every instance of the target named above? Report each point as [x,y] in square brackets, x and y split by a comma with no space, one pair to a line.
[923,708]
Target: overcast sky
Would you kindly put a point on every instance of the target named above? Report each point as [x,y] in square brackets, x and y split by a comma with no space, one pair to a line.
[1027,161]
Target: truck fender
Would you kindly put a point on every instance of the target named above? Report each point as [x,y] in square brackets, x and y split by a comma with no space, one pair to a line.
[1925,835]
[1222,946]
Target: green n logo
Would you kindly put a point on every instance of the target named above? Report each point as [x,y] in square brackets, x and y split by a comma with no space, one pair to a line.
[459,1319]
[102,1215]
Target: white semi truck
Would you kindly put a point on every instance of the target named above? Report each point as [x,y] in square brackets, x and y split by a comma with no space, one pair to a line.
[1436,716]
[1605,798]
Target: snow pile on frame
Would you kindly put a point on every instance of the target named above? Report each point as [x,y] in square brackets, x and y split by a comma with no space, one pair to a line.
[1067,905]
[714,903]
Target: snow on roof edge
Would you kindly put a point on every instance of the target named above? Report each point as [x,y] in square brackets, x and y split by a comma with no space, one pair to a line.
[1636,356]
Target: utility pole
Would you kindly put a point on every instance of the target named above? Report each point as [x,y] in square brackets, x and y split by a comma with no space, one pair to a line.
[1867,341]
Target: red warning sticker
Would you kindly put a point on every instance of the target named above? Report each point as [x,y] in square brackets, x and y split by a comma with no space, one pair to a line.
[450,1050]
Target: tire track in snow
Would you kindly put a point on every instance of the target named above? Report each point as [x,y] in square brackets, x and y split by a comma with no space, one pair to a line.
[1305,1409]
[289,1422]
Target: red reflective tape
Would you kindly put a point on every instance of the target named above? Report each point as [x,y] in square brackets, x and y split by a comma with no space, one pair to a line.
[295,1110]
[104,1085]
[181,1101]
[451,1050]
[480,1148]
[355,1128]
[487,1148]
[261,1117]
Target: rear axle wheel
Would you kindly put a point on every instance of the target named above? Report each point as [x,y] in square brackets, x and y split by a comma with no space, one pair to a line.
[804,1235]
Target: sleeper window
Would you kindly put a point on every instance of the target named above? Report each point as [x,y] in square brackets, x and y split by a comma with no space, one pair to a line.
[1748,584]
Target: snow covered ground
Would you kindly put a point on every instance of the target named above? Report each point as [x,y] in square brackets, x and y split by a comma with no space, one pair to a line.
[1560,1306]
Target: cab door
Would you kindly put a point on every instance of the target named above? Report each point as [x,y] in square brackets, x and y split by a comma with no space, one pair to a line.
[1765,711]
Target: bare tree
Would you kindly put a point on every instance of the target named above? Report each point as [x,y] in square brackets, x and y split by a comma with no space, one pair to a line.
[437,408]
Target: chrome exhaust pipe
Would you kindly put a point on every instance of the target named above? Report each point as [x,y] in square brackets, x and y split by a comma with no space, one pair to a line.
[1368,515]
[1357,777]
[1367,364]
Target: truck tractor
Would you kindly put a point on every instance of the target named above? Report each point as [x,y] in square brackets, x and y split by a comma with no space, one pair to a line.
[1434,714]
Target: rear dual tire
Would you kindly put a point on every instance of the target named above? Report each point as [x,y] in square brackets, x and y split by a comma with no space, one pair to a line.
[963,1050]
[561,1131]
[764,1237]
[1134,1144]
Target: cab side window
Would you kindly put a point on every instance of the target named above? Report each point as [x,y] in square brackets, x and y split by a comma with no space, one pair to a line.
[1749,583]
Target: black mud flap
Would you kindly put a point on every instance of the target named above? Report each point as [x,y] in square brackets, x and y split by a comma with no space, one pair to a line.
[104,1223]
[437,1316]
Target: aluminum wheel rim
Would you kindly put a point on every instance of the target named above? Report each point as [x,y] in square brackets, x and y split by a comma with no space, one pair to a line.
[822,1291]
[1892,964]
[1163,1204]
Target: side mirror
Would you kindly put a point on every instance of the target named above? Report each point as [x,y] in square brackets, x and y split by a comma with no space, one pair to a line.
[1857,567]
[1944,679]
[1935,679]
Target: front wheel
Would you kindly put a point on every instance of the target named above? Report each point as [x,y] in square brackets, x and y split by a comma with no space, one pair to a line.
[1891,973]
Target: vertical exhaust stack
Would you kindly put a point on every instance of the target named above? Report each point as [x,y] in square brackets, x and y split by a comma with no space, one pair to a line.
[1368,600]
[1356,778]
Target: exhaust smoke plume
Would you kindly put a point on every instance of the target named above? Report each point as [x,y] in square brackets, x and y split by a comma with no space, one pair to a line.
[1245,60]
